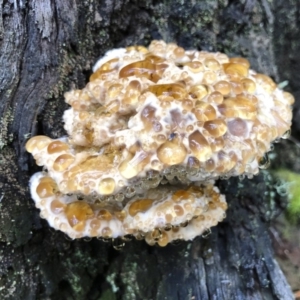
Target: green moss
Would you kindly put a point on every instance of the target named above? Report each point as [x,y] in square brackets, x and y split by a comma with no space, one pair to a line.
[290,183]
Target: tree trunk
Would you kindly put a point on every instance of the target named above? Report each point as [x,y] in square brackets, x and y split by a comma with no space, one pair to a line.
[49,47]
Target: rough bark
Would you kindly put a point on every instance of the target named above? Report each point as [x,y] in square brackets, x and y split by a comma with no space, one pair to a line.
[48,47]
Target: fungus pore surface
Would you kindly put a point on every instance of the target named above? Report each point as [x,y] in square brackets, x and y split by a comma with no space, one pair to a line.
[148,135]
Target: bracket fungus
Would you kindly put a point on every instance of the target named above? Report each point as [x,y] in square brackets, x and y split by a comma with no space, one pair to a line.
[148,135]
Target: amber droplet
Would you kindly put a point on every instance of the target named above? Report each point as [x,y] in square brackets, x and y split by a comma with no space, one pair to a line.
[194,66]
[216,128]
[143,68]
[239,107]
[39,142]
[175,90]
[78,213]
[57,206]
[46,188]
[181,195]
[210,165]
[179,211]
[62,162]
[164,240]
[236,87]
[107,186]
[120,215]
[57,146]
[199,146]
[140,205]
[156,234]
[198,91]
[215,97]
[204,111]
[223,87]
[106,232]
[179,52]
[104,214]
[240,60]
[248,85]
[106,68]
[171,152]
[236,69]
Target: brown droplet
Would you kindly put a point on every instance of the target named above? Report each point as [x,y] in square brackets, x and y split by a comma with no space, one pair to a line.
[62,162]
[140,205]
[78,213]
[199,146]
[217,144]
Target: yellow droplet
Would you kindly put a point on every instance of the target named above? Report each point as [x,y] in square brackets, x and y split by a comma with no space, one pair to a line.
[107,186]
[37,142]
[171,153]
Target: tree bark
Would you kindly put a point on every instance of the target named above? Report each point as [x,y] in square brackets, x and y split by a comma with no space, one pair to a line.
[49,47]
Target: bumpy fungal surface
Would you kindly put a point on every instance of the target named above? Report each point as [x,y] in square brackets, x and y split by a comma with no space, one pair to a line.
[146,138]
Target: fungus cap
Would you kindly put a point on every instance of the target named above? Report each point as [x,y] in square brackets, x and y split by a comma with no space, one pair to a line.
[153,125]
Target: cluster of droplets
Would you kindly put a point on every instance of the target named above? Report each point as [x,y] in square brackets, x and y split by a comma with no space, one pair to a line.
[148,120]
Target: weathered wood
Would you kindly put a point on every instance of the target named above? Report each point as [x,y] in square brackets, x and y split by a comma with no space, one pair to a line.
[48,47]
